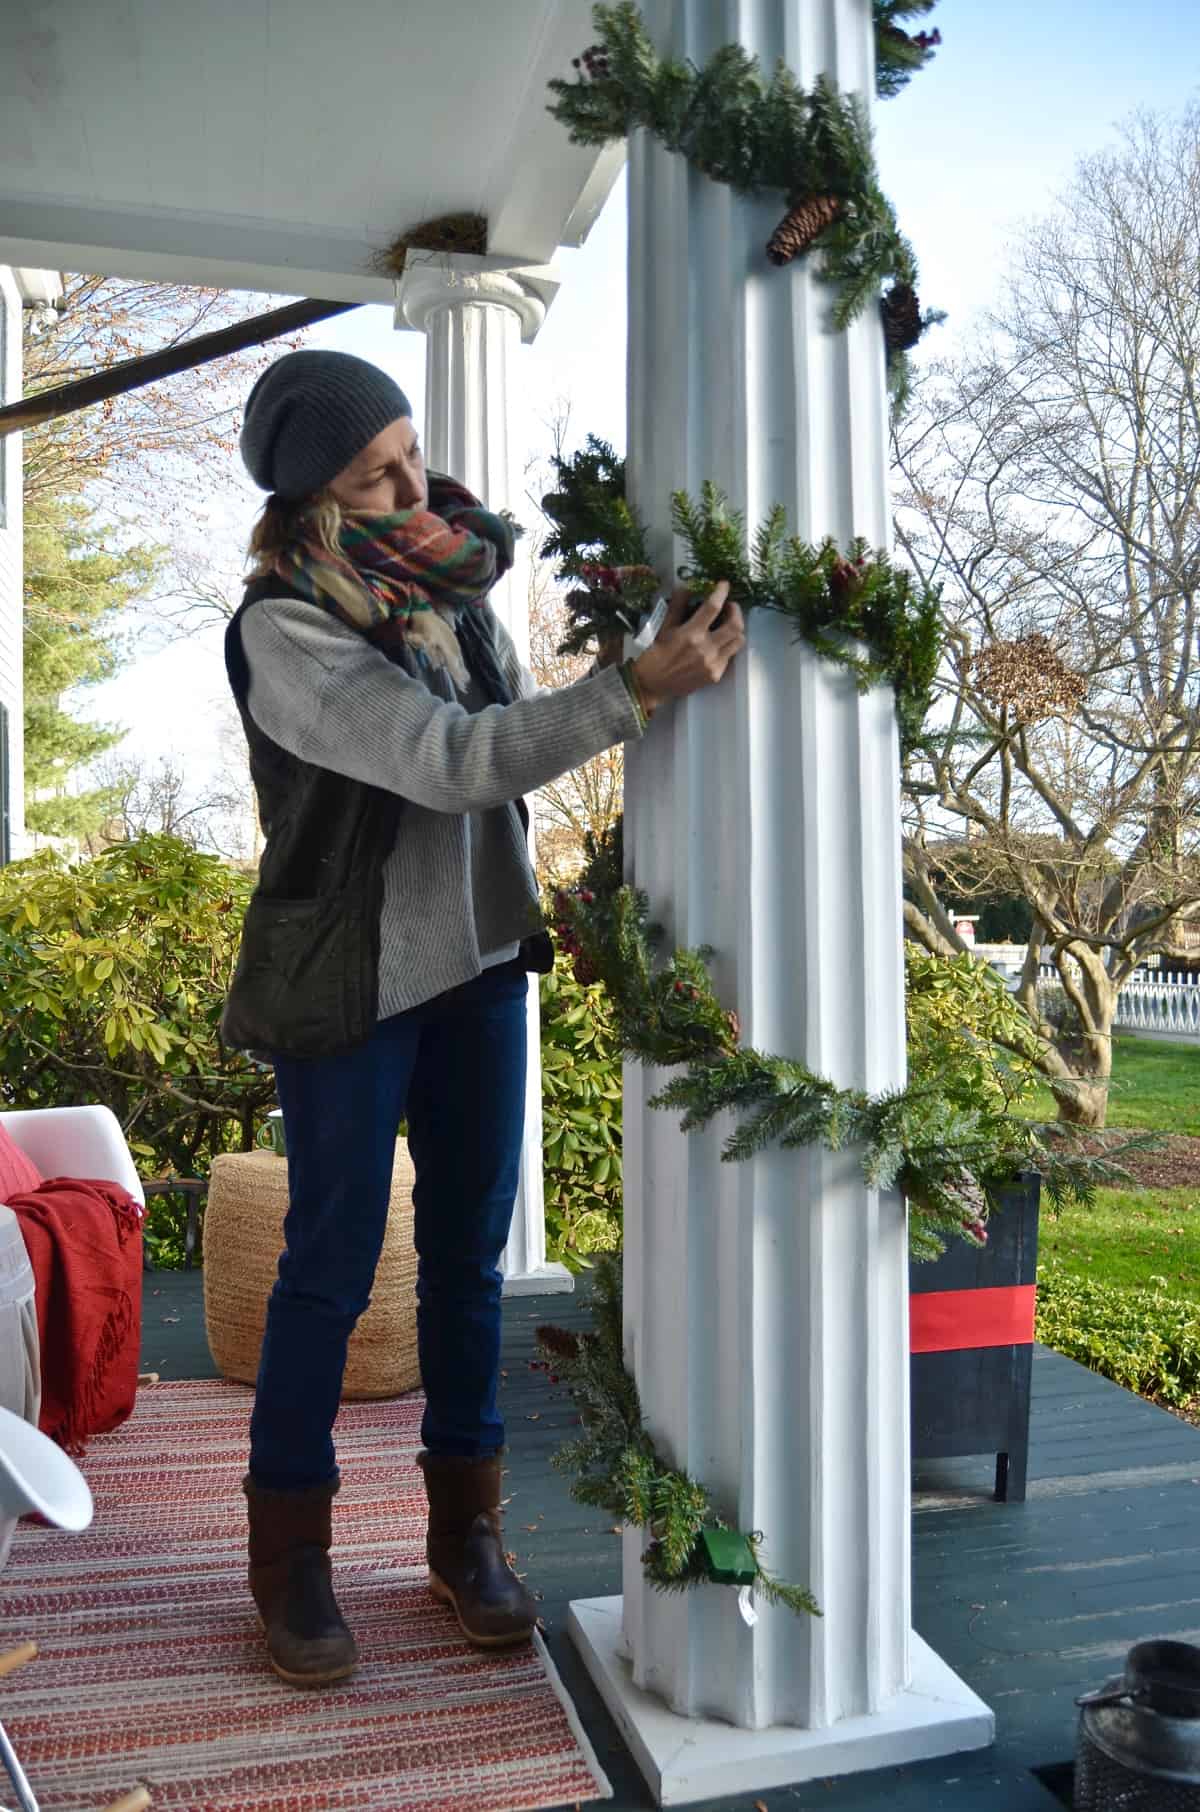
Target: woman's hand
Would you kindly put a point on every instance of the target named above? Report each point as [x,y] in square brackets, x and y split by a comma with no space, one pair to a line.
[690,654]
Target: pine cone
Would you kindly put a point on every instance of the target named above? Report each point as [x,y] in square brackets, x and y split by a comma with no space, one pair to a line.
[902,325]
[801,225]
[560,1341]
[586,973]
[845,582]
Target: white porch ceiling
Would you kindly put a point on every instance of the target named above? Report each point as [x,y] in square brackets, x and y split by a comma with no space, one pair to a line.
[274,144]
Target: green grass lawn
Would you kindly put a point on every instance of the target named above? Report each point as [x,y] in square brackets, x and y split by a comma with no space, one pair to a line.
[1130,1236]
[1154,1086]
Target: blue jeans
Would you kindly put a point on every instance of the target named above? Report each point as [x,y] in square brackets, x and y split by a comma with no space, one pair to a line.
[455,1068]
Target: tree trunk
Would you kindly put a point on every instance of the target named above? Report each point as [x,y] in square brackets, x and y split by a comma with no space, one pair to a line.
[1076,1057]
[1082,1103]
[1079,1059]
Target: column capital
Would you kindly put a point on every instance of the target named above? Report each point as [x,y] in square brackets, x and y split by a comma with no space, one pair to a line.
[426,288]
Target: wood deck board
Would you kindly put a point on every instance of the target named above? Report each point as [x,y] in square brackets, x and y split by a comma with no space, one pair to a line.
[1031,1603]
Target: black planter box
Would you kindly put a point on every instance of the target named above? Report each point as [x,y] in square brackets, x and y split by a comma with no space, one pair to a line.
[974,1397]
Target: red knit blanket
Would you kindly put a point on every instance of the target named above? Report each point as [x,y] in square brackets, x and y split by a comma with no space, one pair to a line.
[84,1241]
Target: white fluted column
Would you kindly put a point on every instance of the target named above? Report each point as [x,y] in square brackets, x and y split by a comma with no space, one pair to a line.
[766,1302]
[474,324]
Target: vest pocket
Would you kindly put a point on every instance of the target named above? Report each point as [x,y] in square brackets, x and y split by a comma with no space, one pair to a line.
[297,989]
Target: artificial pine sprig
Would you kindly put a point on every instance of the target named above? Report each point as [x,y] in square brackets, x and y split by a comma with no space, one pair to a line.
[758,134]
[899,53]
[619,1469]
[600,546]
[592,520]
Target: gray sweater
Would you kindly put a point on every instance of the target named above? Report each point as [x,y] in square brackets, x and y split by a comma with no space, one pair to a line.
[458,887]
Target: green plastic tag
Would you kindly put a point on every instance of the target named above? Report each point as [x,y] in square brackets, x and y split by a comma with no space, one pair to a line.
[729,1557]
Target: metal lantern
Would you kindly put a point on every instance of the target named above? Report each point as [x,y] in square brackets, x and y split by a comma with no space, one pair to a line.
[1138,1747]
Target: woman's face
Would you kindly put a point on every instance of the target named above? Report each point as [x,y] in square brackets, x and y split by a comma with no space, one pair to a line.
[388,475]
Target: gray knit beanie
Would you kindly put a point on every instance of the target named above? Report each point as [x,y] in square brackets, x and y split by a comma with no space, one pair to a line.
[309,414]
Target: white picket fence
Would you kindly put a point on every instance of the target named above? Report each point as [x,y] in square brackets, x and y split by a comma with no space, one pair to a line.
[1149,1003]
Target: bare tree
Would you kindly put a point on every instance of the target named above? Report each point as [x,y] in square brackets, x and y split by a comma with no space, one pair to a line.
[586,800]
[1050,481]
[149,448]
[212,810]
[206,592]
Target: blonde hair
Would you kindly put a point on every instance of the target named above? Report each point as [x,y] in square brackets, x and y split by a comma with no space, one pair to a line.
[282,523]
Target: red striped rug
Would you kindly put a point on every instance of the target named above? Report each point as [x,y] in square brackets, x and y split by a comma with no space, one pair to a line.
[152,1670]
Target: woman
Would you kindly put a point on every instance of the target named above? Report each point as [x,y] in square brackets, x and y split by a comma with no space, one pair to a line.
[383,969]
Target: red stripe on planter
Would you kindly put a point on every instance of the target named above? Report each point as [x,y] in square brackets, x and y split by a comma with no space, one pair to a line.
[947,1321]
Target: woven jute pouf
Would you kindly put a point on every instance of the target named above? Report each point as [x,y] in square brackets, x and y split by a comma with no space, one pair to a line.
[243,1237]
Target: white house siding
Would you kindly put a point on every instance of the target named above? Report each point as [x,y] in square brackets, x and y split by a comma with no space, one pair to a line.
[10,558]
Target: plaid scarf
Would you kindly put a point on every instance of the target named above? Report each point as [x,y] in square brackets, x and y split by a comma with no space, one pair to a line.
[394,576]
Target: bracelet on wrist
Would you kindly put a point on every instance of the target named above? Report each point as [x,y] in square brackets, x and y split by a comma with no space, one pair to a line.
[633,687]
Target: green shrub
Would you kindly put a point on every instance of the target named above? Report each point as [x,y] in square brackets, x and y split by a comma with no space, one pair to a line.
[113,973]
[966,1033]
[581,1108]
[1141,1338]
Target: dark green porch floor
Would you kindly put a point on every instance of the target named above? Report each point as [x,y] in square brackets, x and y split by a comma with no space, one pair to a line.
[1030,1603]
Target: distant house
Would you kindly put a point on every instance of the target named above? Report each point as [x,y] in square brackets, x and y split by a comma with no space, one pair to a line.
[19,290]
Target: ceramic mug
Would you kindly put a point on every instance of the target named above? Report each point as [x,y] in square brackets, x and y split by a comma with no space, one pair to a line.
[270,1135]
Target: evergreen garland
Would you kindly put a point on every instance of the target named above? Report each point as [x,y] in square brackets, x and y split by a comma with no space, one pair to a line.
[946,1158]
[620,1471]
[759,135]
[853,608]
[898,53]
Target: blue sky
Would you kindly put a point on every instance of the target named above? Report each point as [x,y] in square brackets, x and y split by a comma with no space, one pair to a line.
[981,140]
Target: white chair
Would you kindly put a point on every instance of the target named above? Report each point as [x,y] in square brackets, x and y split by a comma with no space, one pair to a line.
[88,1142]
[62,1142]
[75,1142]
[38,1479]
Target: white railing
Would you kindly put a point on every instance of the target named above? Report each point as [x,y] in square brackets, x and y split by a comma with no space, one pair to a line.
[1148,1003]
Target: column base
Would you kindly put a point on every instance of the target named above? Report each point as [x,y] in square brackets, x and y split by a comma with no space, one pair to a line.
[685,1759]
[543,1280]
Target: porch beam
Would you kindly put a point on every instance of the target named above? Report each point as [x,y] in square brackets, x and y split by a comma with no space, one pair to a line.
[175,246]
[221,252]
[150,367]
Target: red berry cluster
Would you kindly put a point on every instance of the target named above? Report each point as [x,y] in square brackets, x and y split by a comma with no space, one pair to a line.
[584,969]
[608,578]
[928,40]
[847,575]
[594,63]
[977,1230]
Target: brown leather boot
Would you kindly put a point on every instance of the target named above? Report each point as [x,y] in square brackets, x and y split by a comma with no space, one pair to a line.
[290,1577]
[467,1568]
